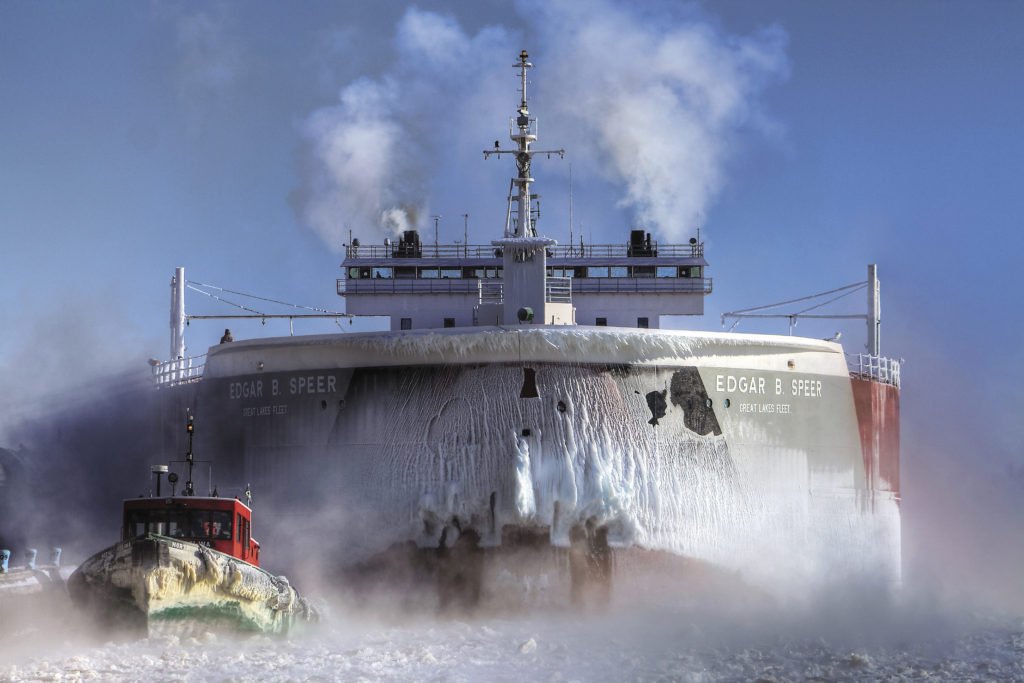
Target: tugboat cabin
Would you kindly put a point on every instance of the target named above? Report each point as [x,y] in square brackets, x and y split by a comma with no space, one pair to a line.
[224,524]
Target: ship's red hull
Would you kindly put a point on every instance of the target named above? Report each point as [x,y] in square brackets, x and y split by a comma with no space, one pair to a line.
[878,418]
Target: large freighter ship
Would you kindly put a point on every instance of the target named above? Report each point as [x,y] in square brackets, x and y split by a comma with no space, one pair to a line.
[526,394]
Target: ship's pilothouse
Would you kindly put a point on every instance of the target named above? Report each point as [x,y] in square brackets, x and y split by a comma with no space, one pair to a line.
[524,278]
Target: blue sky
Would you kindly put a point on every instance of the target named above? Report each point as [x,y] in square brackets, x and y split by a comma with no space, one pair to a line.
[135,137]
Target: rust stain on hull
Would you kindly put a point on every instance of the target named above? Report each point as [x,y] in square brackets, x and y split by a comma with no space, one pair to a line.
[878,419]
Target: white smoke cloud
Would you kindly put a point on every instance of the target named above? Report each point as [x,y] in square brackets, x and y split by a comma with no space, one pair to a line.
[654,106]
[660,102]
[368,159]
[359,155]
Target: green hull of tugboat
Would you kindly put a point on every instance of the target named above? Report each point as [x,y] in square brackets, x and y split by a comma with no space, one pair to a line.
[155,580]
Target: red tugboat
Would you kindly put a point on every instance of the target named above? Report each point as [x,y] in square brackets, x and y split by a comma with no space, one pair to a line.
[187,558]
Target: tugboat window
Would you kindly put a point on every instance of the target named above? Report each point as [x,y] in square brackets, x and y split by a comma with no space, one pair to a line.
[449,322]
[642,323]
[406,323]
[220,525]
[602,322]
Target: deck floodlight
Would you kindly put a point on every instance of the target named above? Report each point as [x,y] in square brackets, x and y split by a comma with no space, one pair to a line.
[159,471]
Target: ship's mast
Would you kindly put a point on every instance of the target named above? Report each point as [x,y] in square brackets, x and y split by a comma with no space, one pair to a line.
[523,134]
[524,228]
[525,296]
[178,314]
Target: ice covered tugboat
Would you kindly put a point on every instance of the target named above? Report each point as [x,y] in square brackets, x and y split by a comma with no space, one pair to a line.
[186,559]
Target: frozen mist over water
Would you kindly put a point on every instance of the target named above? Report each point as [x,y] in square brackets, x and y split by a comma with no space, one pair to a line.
[697,639]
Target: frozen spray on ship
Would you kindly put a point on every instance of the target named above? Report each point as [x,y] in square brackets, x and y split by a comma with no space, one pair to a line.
[526,397]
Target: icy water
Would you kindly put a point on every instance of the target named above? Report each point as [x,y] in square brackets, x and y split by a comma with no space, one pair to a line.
[835,640]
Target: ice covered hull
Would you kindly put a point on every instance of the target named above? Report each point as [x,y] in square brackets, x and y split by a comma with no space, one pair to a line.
[20,582]
[741,450]
[151,579]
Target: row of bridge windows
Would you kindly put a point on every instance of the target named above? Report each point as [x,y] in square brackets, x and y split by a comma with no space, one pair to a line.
[491,273]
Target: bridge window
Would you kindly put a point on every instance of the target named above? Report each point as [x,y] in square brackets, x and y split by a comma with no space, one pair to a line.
[643,271]
[406,323]
[602,322]
[667,271]
[561,272]
[383,273]
[451,272]
[405,273]
[689,271]
[481,273]
[428,272]
[619,271]
[358,272]
[597,271]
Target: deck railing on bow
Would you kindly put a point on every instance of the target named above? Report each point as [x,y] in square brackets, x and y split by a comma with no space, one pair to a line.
[179,371]
[877,368]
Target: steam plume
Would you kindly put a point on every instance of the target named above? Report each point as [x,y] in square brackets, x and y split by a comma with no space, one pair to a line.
[657,104]
[661,102]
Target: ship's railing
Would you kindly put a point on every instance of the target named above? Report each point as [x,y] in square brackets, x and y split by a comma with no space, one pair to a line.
[403,286]
[560,251]
[624,285]
[877,368]
[558,290]
[599,285]
[179,371]
[491,292]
